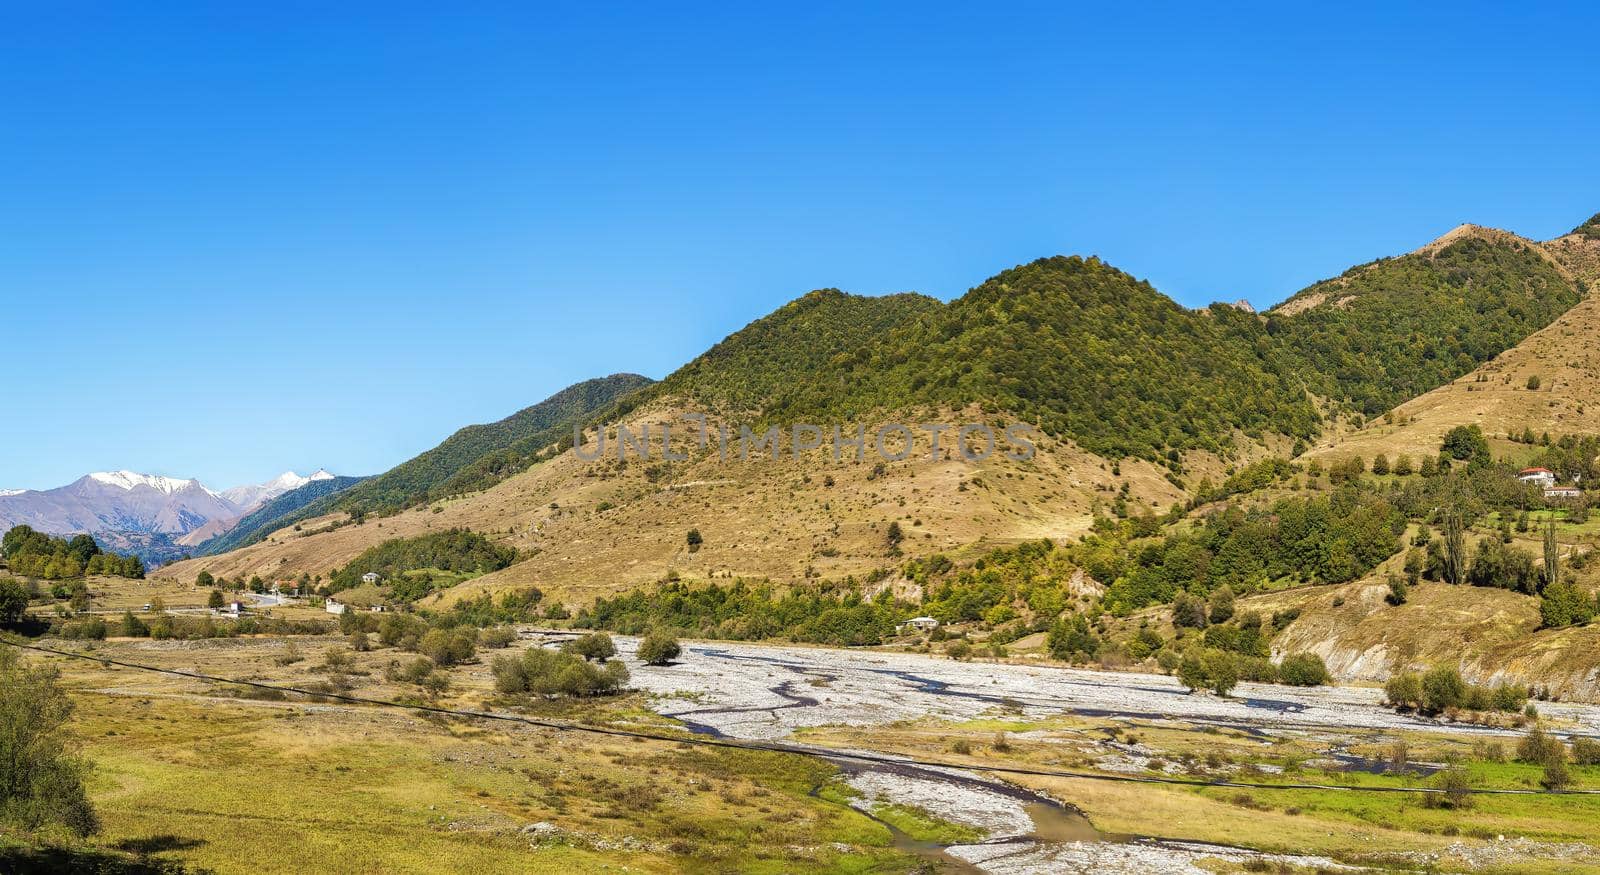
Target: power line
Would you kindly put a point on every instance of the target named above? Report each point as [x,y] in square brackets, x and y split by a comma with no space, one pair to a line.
[776,747]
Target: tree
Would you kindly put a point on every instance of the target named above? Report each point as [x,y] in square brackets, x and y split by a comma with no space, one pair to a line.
[215,599]
[1221,605]
[1533,383]
[1188,611]
[1552,555]
[1222,671]
[133,627]
[1403,690]
[41,783]
[79,601]
[694,540]
[1442,688]
[1402,466]
[594,646]
[1466,443]
[13,601]
[1398,591]
[1380,464]
[1303,670]
[204,580]
[894,536]
[1455,548]
[658,648]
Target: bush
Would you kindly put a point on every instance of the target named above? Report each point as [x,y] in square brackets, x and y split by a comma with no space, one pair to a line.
[544,672]
[13,601]
[449,647]
[42,782]
[658,648]
[594,646]
[1303,670]
[1403,690]
[497,636]
[1442,688]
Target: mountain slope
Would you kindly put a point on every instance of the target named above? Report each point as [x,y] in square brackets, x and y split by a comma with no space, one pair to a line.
[283,510]
[1140,398]
[1391,330]
[248,498]
[479,455]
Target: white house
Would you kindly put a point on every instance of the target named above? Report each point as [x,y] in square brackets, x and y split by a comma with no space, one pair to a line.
[1539,476]
[1562,493]
[334,607]
[921,624]
[370,577]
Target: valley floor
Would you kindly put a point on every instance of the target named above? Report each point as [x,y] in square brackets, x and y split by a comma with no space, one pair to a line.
[194,773]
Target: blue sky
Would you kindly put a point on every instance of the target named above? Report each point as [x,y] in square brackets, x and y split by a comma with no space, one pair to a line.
[240,238]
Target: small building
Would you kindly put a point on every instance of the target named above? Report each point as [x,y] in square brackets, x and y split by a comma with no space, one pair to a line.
[334,607]
[377,609]
[921,624]
[1538,476]
[370,577]
[1562,493]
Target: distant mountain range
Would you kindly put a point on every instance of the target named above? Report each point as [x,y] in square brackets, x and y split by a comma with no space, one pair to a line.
[159,518]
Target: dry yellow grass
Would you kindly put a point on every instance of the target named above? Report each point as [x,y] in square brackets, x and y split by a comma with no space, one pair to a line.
[596,527]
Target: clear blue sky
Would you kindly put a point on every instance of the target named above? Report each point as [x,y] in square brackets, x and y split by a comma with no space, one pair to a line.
[237,238]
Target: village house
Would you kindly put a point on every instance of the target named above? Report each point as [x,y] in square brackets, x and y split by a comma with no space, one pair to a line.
[1538,476]
[1562,493]
[370,577]
[334,607]
[919,624]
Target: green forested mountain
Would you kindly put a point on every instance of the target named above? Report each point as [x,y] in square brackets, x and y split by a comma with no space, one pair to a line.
[287,509]
[806,348]
[1391,330]
[1088,352]
[479,456]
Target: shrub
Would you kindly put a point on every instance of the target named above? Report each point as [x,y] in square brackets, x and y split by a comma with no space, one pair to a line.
[658,648]
[1442,688]
[497,636]
[1404,690]
[13,601]
[594,646]
[448,647]
[43,782]
[1303,670]
[544,672]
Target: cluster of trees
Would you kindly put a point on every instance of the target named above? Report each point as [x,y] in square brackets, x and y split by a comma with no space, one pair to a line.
[1441,689]
[454,550]
[1319,539]
[567,672]
[1393,329]
[822,613]
[163,626]
[36,554]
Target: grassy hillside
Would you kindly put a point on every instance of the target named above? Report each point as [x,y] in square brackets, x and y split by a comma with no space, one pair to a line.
[1143,399]
[481,455]
[287,509]
[1388,331]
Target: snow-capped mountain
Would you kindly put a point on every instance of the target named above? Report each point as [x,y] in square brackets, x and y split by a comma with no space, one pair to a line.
[117,501]
[248,498]
[146,513]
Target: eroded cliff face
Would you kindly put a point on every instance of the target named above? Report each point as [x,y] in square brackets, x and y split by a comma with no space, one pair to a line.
[1492,635]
